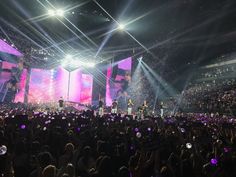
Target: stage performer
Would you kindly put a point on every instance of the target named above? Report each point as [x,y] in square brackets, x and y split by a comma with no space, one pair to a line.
[145,108]
[61,103]
[161,110]
[130,106]
[114,107]
[100,108]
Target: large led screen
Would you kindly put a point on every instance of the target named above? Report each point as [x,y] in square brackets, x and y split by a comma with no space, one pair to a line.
[5,76]
[21,85]
[86,88]
[41,86]
[49,85]
[118,81]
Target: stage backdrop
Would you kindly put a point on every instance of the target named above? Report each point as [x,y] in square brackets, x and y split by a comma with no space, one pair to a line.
[50,85]
[5,76]
[118,78]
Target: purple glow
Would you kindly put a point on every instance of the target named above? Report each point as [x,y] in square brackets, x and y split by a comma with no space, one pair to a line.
[214,161]
[49,85]
[136,129]
[149,129]
[86,89]
[108,92]
[5,76]
[111,90]
[78,129]
[227,149]
[75,85]
[61,83]
[125,64]
[23,127]
[39,87]
[7,65]
[20,95]
[6,48]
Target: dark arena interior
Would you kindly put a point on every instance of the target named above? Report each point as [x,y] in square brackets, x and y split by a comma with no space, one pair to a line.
[118,88]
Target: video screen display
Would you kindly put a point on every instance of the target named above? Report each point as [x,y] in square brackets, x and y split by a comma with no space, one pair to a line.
[40,86]
[86,88]
[75,86]
[118,81]
[20,94]
[6,75]
[50,85]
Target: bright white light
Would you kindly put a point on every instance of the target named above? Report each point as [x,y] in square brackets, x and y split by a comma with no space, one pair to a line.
[64,63]
[74,63]
[140,58]
[90,65]
[188,145]
[121,26]
[51,12]
[69,61]
[68,56]
[60,12]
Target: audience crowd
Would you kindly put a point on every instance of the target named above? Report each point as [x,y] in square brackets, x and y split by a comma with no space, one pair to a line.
[43,143]
[37,141]
[211,97]
[211,90]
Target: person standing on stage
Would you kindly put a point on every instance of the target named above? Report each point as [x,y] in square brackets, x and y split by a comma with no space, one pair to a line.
[145,108]
[130,106]
[114,107]
[100,108]
[61,104]
[140,112]
[161,109]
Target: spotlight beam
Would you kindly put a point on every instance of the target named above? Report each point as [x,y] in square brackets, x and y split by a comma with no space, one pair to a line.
[170,90]
[24,35]
[39,28]
[54,43]
[35,19]
[78,5]
[130,22]
[42,17]
[145,48]
[150,78]
[75,34]
[65,24]
[103,44]
[6,35]
[75,27]
[90,40]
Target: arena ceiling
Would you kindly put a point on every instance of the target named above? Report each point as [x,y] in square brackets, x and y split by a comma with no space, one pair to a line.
[175,33]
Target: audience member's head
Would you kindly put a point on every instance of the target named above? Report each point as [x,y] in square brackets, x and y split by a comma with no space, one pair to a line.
[105,167]
[69,148]
[45,159]
[70,170]
[124,172]
[49,171]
